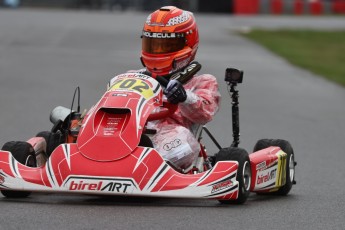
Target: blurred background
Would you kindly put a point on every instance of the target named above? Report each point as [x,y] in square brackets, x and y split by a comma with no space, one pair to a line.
[313,7]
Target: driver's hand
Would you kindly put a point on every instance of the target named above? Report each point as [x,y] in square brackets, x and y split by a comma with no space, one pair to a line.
[175,92]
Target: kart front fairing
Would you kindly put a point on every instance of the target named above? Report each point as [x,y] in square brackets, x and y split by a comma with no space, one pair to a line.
[113,127]
[142,173]
[107,159]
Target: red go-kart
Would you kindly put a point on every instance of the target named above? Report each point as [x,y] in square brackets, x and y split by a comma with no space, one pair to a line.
[112,154]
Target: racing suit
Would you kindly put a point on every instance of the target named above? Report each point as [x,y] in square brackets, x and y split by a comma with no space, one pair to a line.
[174,138]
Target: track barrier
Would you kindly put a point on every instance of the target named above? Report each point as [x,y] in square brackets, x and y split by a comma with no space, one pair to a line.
[292,7]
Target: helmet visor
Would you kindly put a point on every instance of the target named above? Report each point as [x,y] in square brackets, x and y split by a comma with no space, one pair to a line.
[160,43]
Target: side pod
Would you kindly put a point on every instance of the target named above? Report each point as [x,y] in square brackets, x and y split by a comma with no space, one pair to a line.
[268,170]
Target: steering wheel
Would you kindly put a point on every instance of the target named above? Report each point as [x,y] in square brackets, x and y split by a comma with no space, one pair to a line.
[183,77]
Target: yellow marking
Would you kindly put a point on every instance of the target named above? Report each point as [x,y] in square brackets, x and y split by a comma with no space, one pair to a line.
[132,84]
[281,172]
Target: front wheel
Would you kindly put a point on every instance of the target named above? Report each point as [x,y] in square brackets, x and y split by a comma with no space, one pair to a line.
[290,162]
[24,154]
[243,173]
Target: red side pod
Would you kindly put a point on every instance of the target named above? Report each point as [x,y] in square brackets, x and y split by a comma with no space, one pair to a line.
[268,169]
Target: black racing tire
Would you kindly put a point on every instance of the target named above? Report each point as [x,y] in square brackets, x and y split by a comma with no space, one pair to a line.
[24,153]
[290,162]
[243,172]
[53,140]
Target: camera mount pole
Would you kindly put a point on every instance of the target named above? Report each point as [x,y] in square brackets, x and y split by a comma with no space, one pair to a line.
[235,114]
[233,77]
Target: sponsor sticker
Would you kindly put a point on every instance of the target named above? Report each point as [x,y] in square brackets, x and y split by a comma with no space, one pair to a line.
[221,186]
[266,176]
[173,144]
[161,35]
[261,165]
[113,124]
[101,185]
[120,95]
[181,64]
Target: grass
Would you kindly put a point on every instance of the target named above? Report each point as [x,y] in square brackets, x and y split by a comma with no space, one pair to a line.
[321,52]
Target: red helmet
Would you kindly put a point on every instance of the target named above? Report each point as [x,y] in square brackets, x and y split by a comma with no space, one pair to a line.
[169,41]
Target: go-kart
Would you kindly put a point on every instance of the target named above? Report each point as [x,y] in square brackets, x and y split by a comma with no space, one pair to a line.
[110,153]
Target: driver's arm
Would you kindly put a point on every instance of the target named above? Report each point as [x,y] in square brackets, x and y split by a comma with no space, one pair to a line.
[203,99]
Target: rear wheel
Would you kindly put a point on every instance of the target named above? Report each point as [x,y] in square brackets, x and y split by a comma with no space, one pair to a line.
[243,173]
[290,162]
[24,154]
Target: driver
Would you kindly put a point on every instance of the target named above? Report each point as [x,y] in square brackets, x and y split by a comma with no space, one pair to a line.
[169,44]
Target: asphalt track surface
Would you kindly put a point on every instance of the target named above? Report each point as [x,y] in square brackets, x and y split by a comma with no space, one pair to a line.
[44,55]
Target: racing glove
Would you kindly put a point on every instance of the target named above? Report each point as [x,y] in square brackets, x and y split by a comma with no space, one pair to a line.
[175,92]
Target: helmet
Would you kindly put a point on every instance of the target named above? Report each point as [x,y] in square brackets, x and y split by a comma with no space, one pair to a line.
[169,40]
